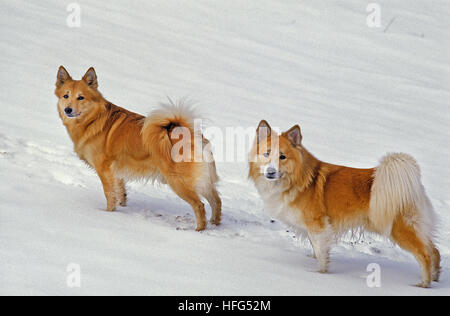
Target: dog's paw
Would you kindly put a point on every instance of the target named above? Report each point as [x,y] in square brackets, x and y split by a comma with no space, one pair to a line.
[111,208]
[424,285]
[215,221]
[199,229]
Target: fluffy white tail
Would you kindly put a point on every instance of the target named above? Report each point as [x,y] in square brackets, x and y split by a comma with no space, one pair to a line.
[159,125]
[397,189]
[156,133]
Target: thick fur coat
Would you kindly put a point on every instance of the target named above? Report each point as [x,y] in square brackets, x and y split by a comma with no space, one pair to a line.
[121,145]
[323,201]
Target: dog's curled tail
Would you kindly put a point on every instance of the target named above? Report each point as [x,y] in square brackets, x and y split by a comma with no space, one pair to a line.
[397,190]
[167,125]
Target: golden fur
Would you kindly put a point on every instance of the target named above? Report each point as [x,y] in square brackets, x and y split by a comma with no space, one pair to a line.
[121,145]
[323,200]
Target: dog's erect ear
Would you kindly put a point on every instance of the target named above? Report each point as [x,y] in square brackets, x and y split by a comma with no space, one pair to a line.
[263,131]
[294,135]
[62,76]
[90,78]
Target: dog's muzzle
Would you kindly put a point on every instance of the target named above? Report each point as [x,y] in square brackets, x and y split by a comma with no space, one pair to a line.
[271,173]
[70,113]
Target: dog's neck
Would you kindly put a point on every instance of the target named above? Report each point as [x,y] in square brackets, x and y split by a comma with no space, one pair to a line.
[305,176]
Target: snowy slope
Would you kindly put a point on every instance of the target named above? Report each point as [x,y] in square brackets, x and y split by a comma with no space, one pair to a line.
[357,92]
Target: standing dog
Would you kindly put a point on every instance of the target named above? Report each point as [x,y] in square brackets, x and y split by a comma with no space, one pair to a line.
[121,145]
[323,200]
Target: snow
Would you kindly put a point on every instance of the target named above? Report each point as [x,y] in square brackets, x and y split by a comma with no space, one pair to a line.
[357,92]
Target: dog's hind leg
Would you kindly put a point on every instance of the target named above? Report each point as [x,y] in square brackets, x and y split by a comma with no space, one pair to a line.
[216,205]
[191,197]
[410,240]
[106,174]
[121,192]
[436,262]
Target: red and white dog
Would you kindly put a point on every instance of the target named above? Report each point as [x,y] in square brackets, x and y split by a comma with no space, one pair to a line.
[323,200]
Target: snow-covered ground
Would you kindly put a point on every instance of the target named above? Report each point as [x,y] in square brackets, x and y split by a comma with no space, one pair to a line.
[358,92]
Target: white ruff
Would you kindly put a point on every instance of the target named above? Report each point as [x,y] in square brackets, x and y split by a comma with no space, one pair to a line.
[278,207]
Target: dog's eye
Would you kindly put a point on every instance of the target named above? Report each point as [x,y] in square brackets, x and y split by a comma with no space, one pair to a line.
[266,155]
[80,98]
[282,157]
[66,96]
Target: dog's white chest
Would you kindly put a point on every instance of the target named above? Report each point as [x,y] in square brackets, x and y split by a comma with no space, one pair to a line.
[290,216]
[279,209]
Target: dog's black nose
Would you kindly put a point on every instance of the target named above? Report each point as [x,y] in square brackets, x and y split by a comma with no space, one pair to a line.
[271,171]
[68,110]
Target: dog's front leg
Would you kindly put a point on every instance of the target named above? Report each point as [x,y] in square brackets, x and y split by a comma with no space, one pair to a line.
[121,192]
[313,255]
[106,175]
[321,242]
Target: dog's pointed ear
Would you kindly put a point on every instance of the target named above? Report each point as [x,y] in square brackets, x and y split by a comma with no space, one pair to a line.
[263,131]
[90,77]
[62,77]
[294,135]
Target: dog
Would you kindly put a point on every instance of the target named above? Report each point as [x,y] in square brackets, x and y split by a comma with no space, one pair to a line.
[323,201]
[121,145]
